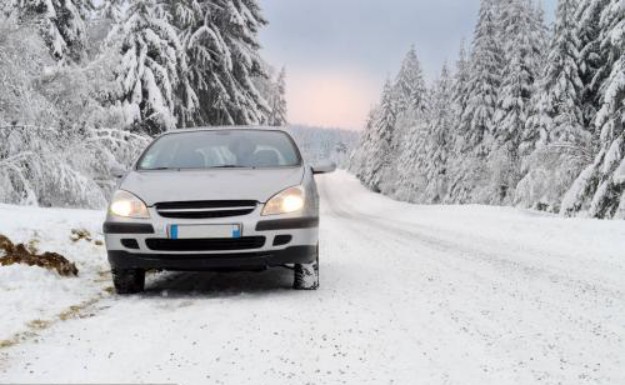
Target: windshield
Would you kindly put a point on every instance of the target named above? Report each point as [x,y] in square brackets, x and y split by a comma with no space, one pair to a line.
[221,149]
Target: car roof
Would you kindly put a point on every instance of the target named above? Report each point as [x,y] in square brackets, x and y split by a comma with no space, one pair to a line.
[223,128]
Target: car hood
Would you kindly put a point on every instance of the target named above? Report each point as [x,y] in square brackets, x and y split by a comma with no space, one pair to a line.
[202,185]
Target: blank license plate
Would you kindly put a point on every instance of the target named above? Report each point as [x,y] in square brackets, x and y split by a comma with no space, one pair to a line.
[204,231]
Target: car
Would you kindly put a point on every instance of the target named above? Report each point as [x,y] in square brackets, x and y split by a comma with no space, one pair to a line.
[215,199]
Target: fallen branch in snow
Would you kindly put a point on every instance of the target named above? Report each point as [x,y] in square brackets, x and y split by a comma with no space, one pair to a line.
[22,254]
[78,234]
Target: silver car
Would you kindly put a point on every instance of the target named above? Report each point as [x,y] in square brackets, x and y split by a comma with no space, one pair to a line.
[216,199]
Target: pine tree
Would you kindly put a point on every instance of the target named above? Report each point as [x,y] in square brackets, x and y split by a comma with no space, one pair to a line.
[459,89]
[277,101]
[439,141]
[484,81]
[539,36]
[152,59]
[600,188]
[410,85]
[112,10]
[518,78]
[360,160]
[592,60]
[503,11]
[61,22]
[382,137]
[411,103]
[555,145]
[410,159]
[220,39]
[459,99]
[540,33]
[513,107]
[386,119]
[467,170]
[558,116]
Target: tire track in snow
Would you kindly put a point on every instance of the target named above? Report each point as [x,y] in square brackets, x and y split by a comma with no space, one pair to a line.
[583,296]
[424,235]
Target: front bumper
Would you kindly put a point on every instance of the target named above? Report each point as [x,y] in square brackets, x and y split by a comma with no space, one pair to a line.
[145,244]
[198,262]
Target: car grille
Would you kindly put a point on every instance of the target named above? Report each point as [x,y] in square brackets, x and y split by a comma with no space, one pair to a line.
[205,209]
[217,244]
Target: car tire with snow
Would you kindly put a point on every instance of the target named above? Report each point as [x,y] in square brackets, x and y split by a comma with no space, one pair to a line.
[129,281]
[307,275]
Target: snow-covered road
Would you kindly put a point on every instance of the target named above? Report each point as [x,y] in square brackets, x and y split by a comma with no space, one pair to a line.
[410,295]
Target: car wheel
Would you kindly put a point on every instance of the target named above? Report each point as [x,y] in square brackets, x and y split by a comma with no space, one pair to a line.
[129,281]
[307,275]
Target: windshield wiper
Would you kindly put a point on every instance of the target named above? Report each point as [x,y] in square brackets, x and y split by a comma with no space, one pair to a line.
[228,166]
[158,169]
[199,168]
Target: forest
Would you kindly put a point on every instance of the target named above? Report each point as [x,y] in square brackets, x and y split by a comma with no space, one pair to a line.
[530,115]
[87,84]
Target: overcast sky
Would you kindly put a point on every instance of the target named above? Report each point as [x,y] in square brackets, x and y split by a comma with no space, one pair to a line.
[338,52]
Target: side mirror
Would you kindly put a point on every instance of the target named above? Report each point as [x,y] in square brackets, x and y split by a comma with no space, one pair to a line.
[324,167]
[118,172]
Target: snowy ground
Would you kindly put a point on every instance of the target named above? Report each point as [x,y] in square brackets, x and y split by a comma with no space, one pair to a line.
[410,295]
[30,294]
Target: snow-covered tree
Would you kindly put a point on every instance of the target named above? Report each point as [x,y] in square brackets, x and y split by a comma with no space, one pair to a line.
[459,89]
[539,35]
[54,150]
[410,102]
[518,77]
[458,104]
[150,68]
[63,128]
[277,101]
[600,188]
[467,169]
[513,106]
[484,80]
[110,9]
[530,110]
[410,84]
[563,144]
[23,56]
[361,158]
[372,161]
[593,64]
[220,40]
[62,24]
[383,134]
[408,179]
[441,132]
[559,117]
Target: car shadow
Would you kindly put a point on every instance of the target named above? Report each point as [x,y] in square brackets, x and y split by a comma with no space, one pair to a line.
[218,284]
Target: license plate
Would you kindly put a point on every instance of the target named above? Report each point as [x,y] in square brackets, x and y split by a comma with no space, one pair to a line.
[204,231]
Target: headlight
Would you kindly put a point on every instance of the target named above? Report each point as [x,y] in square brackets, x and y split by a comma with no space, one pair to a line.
[288,201]
[126,205]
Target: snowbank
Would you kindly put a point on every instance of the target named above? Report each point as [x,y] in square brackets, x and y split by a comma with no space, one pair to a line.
[35,294]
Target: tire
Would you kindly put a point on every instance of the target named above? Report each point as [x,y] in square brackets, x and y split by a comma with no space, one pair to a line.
[129,281]
[307,275]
